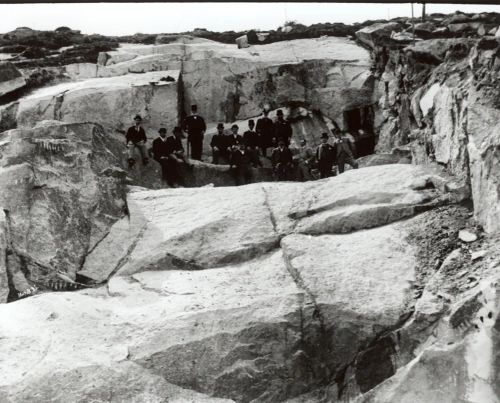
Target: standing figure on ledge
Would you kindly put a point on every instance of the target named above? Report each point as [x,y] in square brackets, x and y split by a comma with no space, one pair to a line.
[194,126]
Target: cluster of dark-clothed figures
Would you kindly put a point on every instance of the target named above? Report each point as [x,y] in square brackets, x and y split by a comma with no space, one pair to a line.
[243,152]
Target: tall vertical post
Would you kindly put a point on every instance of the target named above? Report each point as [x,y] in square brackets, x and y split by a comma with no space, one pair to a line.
[423,11]
[413,23]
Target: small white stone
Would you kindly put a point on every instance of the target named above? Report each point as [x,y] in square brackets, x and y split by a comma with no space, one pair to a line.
[467,236]
[478,254]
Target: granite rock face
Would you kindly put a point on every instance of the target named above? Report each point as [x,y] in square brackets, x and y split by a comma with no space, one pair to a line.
[191,298]
[62,188]
[11,78]
[110,102]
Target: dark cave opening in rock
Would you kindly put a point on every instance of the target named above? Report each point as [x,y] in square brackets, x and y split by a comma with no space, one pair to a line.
[359,123]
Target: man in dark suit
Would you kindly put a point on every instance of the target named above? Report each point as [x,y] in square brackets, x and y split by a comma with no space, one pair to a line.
[252,142]
[282,160]
[176,158]
[234,139]
[161,152]
[219,145]
[240,165]
[325,155]
[282,128]
[136,138]
[265,130]
[194,126]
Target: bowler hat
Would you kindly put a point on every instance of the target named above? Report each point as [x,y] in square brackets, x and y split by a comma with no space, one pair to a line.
[251,122]
[137,117]
[220,126]
[162,130]
[279,112]
[234,127]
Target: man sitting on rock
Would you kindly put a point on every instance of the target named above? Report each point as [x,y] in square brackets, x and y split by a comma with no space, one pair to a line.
[282,160]
[136,138]
[161,152]
[325,155]
[265,130]
[219,145]
[251,140]
[176,158]
[345,150]
[240,165]
[234,139]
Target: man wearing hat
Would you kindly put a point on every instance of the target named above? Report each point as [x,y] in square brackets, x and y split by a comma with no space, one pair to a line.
[282,128]
[219,145]
[325,155]
[240,165]
[265,130]
[252,142]
[194,126]
[344,150]
[234,139]
[161,152]
[282,160]
[136,138]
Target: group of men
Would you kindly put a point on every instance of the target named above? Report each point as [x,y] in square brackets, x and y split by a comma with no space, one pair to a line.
[242,152]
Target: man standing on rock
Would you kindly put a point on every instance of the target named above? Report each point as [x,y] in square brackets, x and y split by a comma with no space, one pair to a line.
[161,152]
[345,151]
[265,130]
[219,145]
[282,160]
[136,138]
[325,155]
[194,126]
[282,128]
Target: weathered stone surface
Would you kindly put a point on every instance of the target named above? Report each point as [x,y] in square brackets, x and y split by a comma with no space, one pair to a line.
[10,78]
[60,202]
[4,286]
[111,102]
[483,127]
[173,227]
[373,34]
[229,84]
[461,365]
[223,331]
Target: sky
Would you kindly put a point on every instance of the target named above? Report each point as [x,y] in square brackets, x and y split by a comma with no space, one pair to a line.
[130,18]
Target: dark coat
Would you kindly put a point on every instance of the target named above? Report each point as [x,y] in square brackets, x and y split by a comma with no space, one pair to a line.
[219,141]
[283,157]
[194,124]
[265,128]
[134,135]
[241,160]
[325,154]
[251,139]
[161,148]
[283,130]
[234,140]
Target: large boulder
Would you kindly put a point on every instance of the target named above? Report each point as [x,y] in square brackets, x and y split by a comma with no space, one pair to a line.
[111,102]
[62,187]
[375,34]
[11,78]
[227,83]
[193,302]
